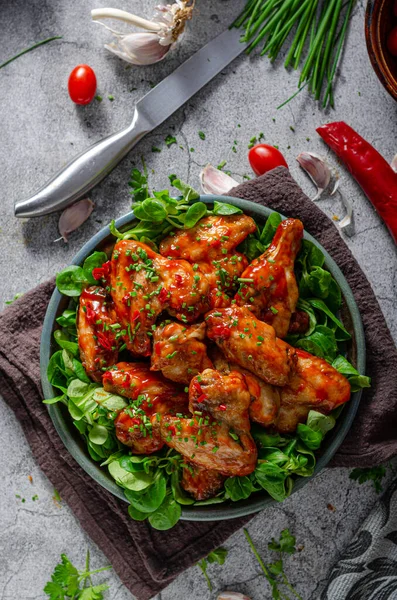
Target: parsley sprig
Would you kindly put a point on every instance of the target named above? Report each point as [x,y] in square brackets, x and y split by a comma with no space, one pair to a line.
[216,556]
[69,583]
[274,571]
[374,474]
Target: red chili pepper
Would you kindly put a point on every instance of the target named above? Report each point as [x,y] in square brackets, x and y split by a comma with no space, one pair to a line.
[136,315]
[135,421]
[196,386]
[107,377]
[215,243]
[202,398]
[104,341]
[178,280]
[98,273]
[126,381]
[220,331]
[157,348]
[371,171]
[163,295]
[90,315]
[222,407]
[172,430]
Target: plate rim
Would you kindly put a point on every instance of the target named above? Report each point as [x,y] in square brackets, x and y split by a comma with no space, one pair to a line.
[216,511]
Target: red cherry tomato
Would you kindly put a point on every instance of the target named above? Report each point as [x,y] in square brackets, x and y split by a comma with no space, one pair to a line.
[82,84]
[392,41]
[264,158]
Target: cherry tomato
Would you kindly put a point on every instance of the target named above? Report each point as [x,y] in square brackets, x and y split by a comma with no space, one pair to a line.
[264,158]
[82,84]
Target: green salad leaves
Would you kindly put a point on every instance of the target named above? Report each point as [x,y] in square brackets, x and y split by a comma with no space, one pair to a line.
[151,483]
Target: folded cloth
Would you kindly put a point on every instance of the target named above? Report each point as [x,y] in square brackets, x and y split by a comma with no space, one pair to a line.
[368,567]
[147,560]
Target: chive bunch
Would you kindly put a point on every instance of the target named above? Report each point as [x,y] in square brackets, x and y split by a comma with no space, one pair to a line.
[315,30]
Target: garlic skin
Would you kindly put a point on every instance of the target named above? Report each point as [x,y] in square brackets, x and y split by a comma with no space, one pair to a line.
[232,596]
[138,49]
[214,181]
[317,169]
[74,216]
[393,163]
[164,29]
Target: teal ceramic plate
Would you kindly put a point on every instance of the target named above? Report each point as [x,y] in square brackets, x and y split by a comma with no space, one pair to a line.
[74,443]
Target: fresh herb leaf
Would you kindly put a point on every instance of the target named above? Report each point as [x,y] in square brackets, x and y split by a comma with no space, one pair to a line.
[71,281]
[317,425]
[274,572]
[273,221]
[216,556]
[8,61]
[374,474]
[67,582]
[93,261]
[14,298]
[169,140]
[238,488]
[356,380]
[222,208]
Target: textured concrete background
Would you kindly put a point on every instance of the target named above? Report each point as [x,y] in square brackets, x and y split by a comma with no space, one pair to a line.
[41,129]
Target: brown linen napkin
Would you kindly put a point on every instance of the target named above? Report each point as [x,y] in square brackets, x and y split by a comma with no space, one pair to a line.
[147,560]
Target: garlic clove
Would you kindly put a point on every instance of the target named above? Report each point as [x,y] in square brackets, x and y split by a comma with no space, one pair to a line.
[138,48]
[74,216]
[317,169]
[347,223]
[393,164]
[232,596]
[214,181]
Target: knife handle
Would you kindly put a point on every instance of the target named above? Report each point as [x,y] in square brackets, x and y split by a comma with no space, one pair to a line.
[84,172]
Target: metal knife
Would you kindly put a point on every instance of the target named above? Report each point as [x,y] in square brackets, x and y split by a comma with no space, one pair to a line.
[93,165]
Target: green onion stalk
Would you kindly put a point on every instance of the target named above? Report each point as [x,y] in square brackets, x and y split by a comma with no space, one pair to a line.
[313,30]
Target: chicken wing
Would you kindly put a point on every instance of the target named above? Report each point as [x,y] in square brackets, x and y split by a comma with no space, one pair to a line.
[97,339]
[179,351]
[251,343]
[265,398]
[201,483]
[209,444]
[143,284]
[211,245]
[151,395]
[225,397]
[316,385]
[270,288]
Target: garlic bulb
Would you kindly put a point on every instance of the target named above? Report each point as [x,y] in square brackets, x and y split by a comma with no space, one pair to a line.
[214,181]
[164,29]
[74,216]
[317,169]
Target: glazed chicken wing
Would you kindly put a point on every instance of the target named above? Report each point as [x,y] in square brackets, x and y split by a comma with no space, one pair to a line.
[265,398]
[98,342]
[143,284]
[251,343]
[199,482]
[316,385]
[225,397]
[211,246]
[209,444]
[179,351]
[271,290]
[151,395]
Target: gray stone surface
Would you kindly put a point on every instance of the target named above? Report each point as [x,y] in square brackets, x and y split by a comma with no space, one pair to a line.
[41,129]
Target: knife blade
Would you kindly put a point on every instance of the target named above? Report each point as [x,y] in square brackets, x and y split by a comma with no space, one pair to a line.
[94,164]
